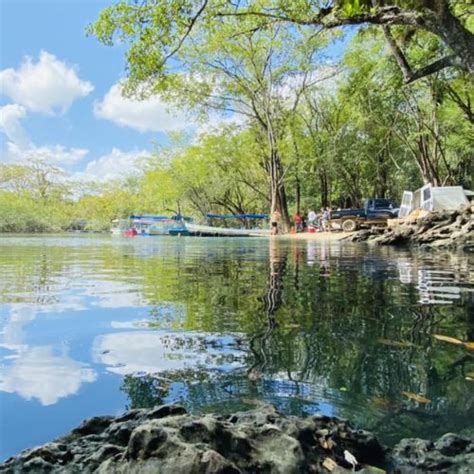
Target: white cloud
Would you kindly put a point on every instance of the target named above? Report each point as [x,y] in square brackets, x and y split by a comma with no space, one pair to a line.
[39,373]
[154,352]
[150,115]
[10,116]
[20,149]
[47,86]
[114,165]
[54,154]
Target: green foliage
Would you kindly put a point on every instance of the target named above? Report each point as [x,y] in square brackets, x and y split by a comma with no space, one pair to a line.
[362,132]
[25,214]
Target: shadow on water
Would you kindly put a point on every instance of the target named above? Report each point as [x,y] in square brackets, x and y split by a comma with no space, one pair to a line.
[96,325]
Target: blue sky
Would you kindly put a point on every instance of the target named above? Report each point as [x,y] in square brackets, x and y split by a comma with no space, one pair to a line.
[59,93]
[60,97]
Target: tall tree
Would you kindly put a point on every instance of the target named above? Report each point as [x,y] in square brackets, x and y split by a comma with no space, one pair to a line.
[230,65]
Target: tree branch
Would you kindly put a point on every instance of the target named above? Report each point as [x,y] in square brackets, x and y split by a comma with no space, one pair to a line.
[398,54]
[409,75]
[186,33]
[436,66]
[327,17]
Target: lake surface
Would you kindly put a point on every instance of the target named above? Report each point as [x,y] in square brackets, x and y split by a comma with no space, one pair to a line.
[95,325]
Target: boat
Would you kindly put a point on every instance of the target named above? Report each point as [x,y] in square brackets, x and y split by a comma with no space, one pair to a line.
[163,225]
[222,231]
[148,225]
[120,226]
[159,225]
[210,231]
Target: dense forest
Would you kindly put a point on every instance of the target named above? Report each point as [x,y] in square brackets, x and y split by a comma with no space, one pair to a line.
[321,105]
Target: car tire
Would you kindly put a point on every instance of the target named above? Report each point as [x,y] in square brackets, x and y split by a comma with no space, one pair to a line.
[349,225]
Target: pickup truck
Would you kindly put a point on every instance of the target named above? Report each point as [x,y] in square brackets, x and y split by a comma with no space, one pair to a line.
[376,211]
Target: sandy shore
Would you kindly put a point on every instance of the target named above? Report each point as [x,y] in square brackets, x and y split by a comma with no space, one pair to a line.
[327,236]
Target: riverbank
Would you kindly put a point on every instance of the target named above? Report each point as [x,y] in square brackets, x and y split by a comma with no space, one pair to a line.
[432,230]
[320,236]
[166,439]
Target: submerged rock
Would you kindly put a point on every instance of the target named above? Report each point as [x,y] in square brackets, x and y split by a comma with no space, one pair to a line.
[166,440]
[451,453]
[440,229]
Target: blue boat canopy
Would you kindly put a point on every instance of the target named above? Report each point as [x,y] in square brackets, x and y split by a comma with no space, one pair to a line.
[149,218]
[237,216]
[158,218]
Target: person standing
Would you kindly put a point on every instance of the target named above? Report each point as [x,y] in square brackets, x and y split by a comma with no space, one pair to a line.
[298,222]
[325,220]
[274,222]
[312,218]
[320,219]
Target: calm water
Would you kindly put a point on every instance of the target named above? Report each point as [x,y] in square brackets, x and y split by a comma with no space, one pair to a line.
[95,325]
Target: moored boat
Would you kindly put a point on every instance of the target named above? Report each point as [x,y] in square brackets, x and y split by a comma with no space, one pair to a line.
[222,231]
[148,225]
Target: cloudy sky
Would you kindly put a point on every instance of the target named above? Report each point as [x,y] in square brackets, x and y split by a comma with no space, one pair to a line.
[60,92]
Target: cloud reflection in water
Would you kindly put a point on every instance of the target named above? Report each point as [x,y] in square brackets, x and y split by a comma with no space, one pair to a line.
[154,352]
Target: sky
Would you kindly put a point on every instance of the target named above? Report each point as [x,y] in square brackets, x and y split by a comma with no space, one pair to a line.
[60,93]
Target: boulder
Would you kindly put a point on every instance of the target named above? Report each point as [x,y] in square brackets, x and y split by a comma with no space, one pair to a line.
[450,453]
[167,440]
[429,230]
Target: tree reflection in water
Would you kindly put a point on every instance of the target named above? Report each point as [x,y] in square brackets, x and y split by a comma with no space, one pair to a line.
[309,326]
[328,335]
[259,342]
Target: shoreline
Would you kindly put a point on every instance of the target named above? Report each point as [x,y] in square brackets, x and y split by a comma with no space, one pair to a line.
[319,236]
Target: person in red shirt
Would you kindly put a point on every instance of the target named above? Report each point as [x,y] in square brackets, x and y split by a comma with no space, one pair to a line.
[298,222]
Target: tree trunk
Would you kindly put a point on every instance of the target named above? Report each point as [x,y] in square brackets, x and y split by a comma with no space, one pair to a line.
[381,184]
[298,195]
[324,189]
[452,32]
[277,188]
[284,208]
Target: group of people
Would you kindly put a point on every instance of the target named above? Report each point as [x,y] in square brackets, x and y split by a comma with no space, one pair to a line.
[318,221]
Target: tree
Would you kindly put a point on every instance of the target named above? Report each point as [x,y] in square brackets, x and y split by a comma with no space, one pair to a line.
[219,173]
[171,23]
[448,20]
[414,123]
[38,177]
[232,65]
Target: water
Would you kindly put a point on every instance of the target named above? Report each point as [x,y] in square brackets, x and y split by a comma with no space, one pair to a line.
[96,325]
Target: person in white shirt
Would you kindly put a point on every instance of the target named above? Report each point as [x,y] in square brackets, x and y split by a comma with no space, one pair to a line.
[312,219]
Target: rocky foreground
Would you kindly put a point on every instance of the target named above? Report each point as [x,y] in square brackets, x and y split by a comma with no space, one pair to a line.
[166,439]
[440,229]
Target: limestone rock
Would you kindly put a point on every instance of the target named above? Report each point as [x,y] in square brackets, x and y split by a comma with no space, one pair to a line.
[440,229]
[167,440]
[450,453]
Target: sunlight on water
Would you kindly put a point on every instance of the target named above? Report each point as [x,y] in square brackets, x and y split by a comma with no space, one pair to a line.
[94,325]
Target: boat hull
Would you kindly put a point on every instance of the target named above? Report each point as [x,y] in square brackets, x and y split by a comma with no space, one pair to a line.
[210,231]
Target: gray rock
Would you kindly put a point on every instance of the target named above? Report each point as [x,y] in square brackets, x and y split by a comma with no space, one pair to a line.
[440,229]
[167,440]
[450,453]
